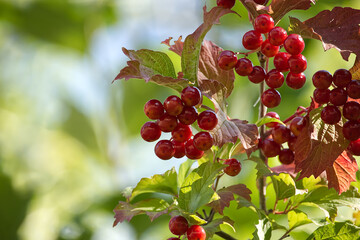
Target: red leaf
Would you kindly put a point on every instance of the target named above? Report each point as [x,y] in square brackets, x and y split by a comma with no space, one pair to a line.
[177,47]
[255,9]
[285,168]
[282,7]
[342,173]
[124,211]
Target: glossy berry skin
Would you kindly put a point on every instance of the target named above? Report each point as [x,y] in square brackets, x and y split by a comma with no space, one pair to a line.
[272,115]
[207,120]
[295,80]
[164,149]
[331,114]
[181,133]
[353,89]
[179,149]
[234,167]
[268,49]
[191,151]
[243,67]
[167,123]
[281,61]
[342,77]
[354,147]
[252,40]
[351,130]
[269,148]
[297,63]
[338,96]
[321,96]
[191,96]
[281,134]
[173,238]
[274,79]
[203,141]
[263,23]
[173,105]
[225,3]
[292,142]
[322,79]
[150,132]
[277,36]
[271,98]
[261,2]
[154,109]
[286,156]
[227,60]
[294,44]
[257,75]
[297,125]
[178,225]
[188,116]
[351,111]
[196,232]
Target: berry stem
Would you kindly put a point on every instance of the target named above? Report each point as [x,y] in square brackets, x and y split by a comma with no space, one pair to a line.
[246,53]
[298,113]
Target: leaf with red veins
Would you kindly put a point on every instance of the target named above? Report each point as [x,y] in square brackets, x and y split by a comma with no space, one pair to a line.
[281,7]
[124,211]
[342,172]
[355,70]
[177,47]
[303,144]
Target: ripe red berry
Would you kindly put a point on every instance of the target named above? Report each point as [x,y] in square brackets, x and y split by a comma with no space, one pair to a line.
[207,120]
[234,167]
[178,225]
[203,141]
[297,125]
[257,75]
[191,96]
[188,116]
[322,79]
[292,142]
[274,78]
[321,96]
[173,105]
[281,61]
[277,36]
[351,130]
[181,133]
[294,44]
[252,40]
[269,148]
[286,156]
[330,114]
[263,23]
[154,109]
[268,49]
[353,89]
[167,123]
[164,149]
[227,60]
[173,238]
[281,134]
[262,2]
[243,67]
[295,80]
[225,3]
[351,111]
[191,151]
[354,147]
[150,132]
[179,149]
[338,96]
[342,77]
[271,98]
[297,63]
[272,115]
[196,232]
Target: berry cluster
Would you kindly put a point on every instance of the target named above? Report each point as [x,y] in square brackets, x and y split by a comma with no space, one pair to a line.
[178,225]
[292,60]
[176,116]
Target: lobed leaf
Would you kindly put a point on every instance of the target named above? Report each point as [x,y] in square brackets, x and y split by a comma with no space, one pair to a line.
[355,70]
[336,231]
[297,218]
[280,8]
[214,226]
[284,186]
[266,120]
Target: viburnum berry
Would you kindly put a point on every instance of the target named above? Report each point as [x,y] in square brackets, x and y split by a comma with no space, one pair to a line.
[281,61]
[351,130]
[292,142]
[322,79]
[286,156]
[295,80]
[297,125]
[181,133]
[277,36]
[203,141]
[225,3]
[252,40]
[271,98]
[261,2]
[243,67]
[269,147]
[179,149]
[342,77]
[321,96]
[257,75]
[353,89]
[164,149]
[173,238]
[173,105]
[188,116]
[354,147]
[178,225]
[227,60]
[268,49]
[338,96]
[154,109]
[297,63]
[274,78]
[330,114]
[196,232]
[191,151]
[150,132]
[351,111]
[191,96]
[263,23]
[294,44]
[281,134]
[167,123]
[272,115]
[207,120]
[234,167]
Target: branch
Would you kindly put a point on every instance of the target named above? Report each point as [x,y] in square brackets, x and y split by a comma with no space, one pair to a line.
[225,235]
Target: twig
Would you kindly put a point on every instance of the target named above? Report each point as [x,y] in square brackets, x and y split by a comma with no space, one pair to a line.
[286,234]
[225,235]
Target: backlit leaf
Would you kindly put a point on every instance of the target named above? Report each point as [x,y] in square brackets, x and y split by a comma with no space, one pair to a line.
[336,231]
[284,186]
[297,218]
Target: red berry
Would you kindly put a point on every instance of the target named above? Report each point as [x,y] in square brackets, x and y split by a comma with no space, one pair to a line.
[351,111]
[191,151]
[268,49]
[150,132]
[292,142]
[196,232]
[173,105]
[252,40]
[281,134]
[179,148]
[188,116]
[154,109]
[262,2]
[173,238]
[271,98]
[263,23]
[354,147]
[269,148]
[297,125]
[181,133]
[225,3]
[351,130]
[164,149]
[243,67]
[203,141]
[234,167]
[167,123]
[321,96]
[342,77]
[297,63]
[257,75]
[277,36]
[272,115]
[322,79]
[227,60]
[178,225]
[338,96]
[274,78]
[281,61]
[286,156]
[294,44]
[331,114]
[207,120]
[295,80]
[353,89]
[191,96]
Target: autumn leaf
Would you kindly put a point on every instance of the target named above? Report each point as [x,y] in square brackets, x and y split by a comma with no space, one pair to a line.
[282,7]
[355,70]
[255,9]
[177,47]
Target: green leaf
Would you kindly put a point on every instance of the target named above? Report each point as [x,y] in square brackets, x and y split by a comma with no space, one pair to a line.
[195,220]
[336,231]
[214,226]
[297,218]
[263,230]
[267,119]
[184,171]
[262,169]
[284,186]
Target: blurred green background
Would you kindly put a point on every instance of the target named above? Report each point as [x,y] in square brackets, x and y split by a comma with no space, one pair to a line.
[69,139]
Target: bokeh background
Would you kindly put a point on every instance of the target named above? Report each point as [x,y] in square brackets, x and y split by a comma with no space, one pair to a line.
[69,139]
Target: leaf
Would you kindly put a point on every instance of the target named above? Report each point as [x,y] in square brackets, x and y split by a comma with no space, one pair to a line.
[282,7]
[336,231]
[255,9]
[214,226]
[342,173]
[195,220]
[267,119]
[164,183]
[263,230]
[297,218]
[355,70]
[184,171]
[284,186]
[262,169]
[296,26]
[177,47]
[285,168]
